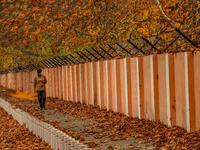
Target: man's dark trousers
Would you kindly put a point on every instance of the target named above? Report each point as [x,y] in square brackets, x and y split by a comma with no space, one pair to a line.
[42,98]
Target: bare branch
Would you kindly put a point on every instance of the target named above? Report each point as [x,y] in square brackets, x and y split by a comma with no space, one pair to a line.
[171,22]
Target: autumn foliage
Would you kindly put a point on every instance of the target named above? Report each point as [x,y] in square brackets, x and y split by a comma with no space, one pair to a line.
[34,30]
[24,95]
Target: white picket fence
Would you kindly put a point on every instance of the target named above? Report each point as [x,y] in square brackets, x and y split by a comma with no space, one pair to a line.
[54,137]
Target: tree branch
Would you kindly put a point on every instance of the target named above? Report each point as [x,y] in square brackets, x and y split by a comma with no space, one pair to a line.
[175,25]
[167,19]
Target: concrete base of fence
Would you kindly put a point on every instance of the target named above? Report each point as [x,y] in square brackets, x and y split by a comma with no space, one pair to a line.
[48,133]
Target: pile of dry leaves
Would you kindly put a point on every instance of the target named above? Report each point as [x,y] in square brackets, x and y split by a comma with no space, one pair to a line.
[115,126]
[15,136]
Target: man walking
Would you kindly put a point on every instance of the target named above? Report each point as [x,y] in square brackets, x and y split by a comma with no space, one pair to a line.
[39,86]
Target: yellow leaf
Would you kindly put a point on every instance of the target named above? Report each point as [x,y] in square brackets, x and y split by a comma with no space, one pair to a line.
[14,28]
[41,19]
[36,32]
[177,25]
[24,95]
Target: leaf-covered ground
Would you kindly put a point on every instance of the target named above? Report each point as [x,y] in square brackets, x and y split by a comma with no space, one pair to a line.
[114,126]
[15,136]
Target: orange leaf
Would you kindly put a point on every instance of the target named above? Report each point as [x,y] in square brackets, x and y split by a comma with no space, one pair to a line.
[91,2]
[24,95]
[80,2]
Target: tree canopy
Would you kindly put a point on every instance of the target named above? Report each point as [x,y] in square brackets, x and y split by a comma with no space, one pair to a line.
[34,30]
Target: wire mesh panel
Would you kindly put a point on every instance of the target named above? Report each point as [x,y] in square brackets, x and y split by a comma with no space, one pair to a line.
[166,42]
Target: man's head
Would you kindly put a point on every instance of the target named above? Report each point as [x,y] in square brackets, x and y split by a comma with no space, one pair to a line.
[39,71]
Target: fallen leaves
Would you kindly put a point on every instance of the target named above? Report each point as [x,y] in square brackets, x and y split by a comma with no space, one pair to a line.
[92,144]
[112,125]
[15,136]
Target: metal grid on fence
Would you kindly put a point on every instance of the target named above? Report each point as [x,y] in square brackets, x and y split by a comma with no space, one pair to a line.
[142,46]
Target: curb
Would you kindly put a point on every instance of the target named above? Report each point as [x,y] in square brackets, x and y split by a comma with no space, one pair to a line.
[48,133]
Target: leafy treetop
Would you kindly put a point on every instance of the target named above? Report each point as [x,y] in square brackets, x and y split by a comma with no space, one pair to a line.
[34,30]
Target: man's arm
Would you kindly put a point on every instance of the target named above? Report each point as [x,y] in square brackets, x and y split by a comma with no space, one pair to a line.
[45,80]
[35,83]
